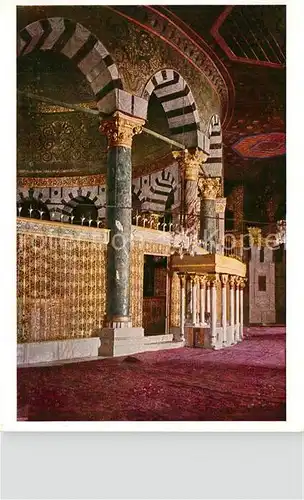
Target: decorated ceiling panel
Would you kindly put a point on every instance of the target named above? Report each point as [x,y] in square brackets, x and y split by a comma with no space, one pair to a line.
[261,145]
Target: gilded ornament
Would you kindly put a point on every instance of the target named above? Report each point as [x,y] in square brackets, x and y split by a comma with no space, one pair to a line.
[212,279]
[209,187]
[232,281]
[220,205]
[224,279]
[255,235]
[175,300]
[190,162]
[56,301]
[120,129]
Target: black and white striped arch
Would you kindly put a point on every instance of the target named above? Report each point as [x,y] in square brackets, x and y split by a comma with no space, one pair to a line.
[78,44]
[179,105]
[214,163]
[153,190]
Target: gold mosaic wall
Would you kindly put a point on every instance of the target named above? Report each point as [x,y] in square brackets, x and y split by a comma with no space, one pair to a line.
[60,287]
[61,280]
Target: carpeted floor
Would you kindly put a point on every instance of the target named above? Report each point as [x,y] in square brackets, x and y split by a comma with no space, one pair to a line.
[243,382]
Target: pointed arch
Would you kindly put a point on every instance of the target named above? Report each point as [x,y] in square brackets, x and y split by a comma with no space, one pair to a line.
[179,106]
[78,44]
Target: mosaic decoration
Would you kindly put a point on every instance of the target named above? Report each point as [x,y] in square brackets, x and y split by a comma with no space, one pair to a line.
[261,145]
[60,287]
[60,145]
[74,181]
[137,284]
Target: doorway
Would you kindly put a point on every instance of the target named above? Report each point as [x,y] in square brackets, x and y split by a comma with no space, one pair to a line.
[154,296]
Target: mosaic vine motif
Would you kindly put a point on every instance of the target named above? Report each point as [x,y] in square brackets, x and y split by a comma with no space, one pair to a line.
[137,283]
[60,288]
[70,142]
[140,58]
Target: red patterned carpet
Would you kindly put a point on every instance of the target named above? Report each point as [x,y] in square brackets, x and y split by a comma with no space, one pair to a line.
[244,382]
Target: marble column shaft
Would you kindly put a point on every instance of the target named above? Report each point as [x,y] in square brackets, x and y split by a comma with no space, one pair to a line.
[224,279]
[232,306]
[220,205]
[209,189]
[213,313]
[119,130]
[194,300]
[237,310]
[189,162]
[241,310]
[208,301]
[182,308]
[202,300]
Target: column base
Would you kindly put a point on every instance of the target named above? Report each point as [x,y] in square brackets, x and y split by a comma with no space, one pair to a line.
[121,341]
[177,334]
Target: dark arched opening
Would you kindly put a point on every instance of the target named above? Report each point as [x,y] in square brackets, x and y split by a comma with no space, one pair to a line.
[85,212]
[33,208]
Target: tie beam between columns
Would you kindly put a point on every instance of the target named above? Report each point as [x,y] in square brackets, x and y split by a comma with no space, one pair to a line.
[97,113]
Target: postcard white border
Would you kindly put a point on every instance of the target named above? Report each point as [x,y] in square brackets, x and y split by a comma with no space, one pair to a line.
[295,281]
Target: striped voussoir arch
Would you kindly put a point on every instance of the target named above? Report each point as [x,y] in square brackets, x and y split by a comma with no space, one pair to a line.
[215,159]
[179,105]
[78,44]
[73,201]
[138,193]
[160,188]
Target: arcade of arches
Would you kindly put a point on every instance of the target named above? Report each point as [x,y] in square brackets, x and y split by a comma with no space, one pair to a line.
[131,172]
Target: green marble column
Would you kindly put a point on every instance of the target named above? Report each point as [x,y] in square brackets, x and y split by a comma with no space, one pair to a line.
[189,162]
[119,130]
[209,188]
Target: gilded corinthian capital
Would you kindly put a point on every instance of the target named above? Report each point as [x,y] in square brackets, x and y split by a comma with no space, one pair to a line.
[120,129]
[209,187]
[190,162]
[224,279]
[220,205]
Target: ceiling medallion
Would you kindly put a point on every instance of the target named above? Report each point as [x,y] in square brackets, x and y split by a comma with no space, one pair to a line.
[261,145]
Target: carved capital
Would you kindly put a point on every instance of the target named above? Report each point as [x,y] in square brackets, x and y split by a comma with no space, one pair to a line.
[237,281]
[182,279]
[255,234]
[190,162]
[220,205]
[224,280]
[202,280]
[232,281]
[212,279]
[210,187]
[120,129]
[193,278]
